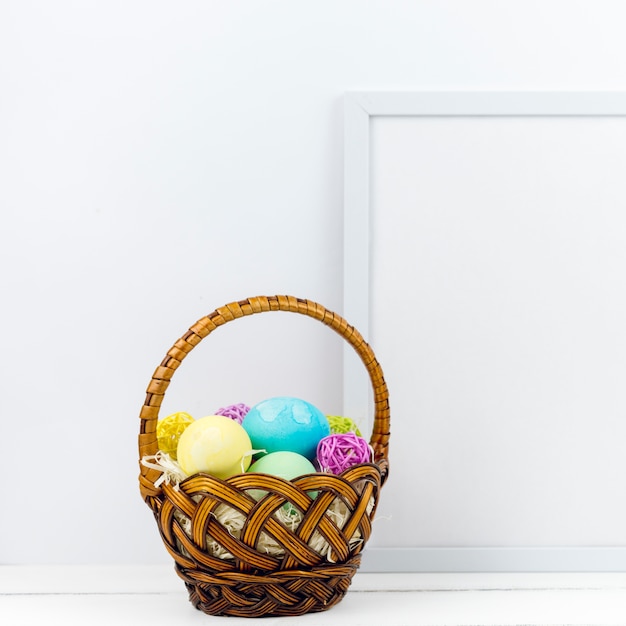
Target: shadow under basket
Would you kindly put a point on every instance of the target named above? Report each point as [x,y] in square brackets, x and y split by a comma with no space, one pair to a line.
[294,550]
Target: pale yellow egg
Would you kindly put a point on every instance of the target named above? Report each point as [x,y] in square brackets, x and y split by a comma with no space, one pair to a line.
[216,445]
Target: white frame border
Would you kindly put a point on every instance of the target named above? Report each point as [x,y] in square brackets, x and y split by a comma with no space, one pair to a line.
[359,108]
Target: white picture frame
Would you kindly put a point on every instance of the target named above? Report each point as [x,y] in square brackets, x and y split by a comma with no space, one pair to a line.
[360,109]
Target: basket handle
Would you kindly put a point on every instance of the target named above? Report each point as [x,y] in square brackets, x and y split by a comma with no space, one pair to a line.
[162,376]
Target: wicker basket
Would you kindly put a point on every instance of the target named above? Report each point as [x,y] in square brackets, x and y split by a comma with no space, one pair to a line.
[251,582]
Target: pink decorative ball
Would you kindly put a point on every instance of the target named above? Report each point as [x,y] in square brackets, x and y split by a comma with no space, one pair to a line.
[235,411]
[337,452]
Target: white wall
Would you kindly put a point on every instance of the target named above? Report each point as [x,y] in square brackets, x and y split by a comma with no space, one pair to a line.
[161,159]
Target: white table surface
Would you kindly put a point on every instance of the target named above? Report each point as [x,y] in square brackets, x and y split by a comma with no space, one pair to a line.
[155,596]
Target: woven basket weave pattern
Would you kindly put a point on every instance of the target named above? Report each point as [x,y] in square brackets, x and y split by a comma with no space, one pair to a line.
[313,563]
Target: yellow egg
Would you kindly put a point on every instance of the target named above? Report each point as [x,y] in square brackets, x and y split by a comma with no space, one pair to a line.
[169,430]
[216,445]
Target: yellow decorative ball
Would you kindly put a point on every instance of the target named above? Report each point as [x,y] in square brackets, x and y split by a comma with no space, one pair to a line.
[216,445]
[342,425]
[169,430]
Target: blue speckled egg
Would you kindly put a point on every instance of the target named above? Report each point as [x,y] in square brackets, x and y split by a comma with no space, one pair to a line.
[286,424]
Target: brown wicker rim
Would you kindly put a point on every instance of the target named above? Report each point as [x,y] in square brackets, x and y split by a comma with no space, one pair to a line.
[162,376]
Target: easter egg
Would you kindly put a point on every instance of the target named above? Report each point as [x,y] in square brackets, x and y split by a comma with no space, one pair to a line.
[287,465]
[216,445]
[284,464]
[169,430]
[286,424]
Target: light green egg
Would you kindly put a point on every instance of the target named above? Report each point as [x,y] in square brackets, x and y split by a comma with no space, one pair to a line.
[284,464]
